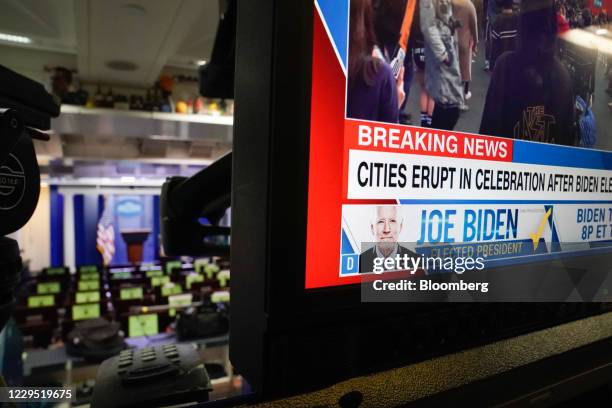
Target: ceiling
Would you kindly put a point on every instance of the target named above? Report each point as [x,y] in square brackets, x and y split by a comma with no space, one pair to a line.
[151,36]
[143,35]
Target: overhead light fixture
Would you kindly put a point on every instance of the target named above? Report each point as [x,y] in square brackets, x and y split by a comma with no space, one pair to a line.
[201,62]
[15,38]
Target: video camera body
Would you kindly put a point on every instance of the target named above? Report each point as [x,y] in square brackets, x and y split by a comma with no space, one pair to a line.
[26,109]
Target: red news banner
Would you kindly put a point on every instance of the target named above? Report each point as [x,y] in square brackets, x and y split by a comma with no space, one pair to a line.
[379,137]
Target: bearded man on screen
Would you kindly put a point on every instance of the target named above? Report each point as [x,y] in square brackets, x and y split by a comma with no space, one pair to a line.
[386,225]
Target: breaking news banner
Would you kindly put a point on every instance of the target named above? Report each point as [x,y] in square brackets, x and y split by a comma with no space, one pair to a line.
[487,201]
[402,162]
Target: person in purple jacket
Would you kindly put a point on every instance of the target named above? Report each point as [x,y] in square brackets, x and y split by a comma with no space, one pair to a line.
[373,93]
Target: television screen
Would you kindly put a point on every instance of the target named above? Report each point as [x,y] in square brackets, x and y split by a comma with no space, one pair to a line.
[379,150]
[399,167]
[87,285]
[86,311]
[131,293]
[41,301]
[87,297]
[43,288]
[143,325]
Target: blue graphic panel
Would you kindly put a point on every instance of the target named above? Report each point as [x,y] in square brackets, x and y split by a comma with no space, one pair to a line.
[346,247]
[551,155]
[335,15]
[350,264]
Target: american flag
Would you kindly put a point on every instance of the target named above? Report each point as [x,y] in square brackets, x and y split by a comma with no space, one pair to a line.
[106,233]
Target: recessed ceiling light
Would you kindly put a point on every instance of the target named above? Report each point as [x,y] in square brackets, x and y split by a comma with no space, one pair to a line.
[200,62]
[15,38]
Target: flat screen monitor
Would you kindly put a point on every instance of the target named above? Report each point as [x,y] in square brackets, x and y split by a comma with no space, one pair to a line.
[87,297]
[131,293]
[337,194]
[48,287]
[86,311]
[143,325]
[41,301]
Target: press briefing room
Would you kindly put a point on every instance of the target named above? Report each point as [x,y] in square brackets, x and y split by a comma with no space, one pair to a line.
[308,203]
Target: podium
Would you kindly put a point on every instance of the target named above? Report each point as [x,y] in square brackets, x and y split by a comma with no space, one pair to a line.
[135,238]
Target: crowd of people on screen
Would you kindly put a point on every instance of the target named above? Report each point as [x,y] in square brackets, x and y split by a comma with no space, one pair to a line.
[530,94]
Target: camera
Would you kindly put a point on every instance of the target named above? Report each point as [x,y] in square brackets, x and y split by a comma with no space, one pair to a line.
[26,110]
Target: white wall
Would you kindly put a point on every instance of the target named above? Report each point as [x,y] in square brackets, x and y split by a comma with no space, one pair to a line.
[35,236]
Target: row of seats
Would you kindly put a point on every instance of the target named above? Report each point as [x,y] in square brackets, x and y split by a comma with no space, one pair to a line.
[144,298]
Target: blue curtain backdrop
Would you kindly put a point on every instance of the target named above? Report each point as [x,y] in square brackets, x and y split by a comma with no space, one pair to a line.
[85,229]
[57,227]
